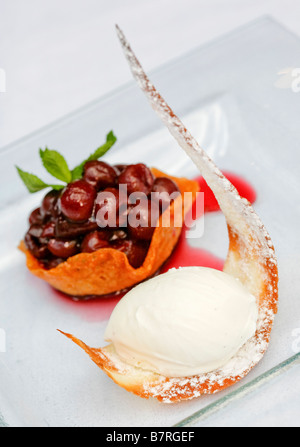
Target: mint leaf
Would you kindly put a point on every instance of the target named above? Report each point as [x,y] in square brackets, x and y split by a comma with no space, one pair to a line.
[56,165]
[110,141]
[35,184]
[111,137]
[32,182]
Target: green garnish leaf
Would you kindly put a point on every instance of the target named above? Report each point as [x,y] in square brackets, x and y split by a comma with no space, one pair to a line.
[110,141]
[111,137]
[34,183]
[56,165]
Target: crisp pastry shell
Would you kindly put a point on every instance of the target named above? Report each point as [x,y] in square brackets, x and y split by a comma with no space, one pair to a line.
[108,270]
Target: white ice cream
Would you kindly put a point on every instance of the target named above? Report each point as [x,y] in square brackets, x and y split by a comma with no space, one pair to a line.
[184,322]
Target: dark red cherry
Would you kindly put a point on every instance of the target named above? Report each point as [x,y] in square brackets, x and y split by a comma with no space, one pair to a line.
[36,217]
[36,230]
[63,249]
[69,230]
[100,174]
[37,250]
[95,241]
[164,184]
[163,189]
[77,201]
[142,220]
[137,178]
[135,251]
[48,207]
[48,230]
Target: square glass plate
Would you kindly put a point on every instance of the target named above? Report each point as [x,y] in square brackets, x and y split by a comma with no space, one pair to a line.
[227,94]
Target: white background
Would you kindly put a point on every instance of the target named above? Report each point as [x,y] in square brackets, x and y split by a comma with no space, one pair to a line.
[60,54]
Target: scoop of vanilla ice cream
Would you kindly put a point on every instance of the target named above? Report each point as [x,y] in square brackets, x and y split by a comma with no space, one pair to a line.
[184,322]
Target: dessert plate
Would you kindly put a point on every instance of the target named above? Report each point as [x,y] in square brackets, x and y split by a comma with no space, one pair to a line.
[228,96]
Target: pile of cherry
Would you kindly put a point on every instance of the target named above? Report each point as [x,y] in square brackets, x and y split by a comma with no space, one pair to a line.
[67,223]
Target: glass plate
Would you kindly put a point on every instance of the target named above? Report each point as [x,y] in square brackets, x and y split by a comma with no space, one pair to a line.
[229,97]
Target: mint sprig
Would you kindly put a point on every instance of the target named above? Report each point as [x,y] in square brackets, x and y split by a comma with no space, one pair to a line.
[110,141]
[56,165]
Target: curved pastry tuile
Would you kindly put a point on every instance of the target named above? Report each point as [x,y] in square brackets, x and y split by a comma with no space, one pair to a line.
[251,258]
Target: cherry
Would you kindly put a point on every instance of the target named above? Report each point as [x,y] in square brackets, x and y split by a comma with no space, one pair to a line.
[36,230]
[100,174]
[48,207]
[162,189]
[137,178]
[135,251]
[36,217]
[142,220]
[67,229]
[48,230]
[77,201]
[37,250]
[95,241]
[63,249]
